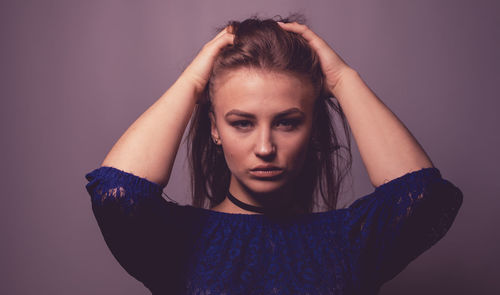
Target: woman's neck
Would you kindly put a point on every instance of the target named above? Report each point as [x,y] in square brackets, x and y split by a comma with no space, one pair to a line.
[277,199]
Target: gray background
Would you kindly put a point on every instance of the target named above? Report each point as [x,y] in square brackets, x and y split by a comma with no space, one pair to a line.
[76,74]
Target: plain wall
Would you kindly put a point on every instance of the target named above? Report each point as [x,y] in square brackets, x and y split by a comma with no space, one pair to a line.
[75,74]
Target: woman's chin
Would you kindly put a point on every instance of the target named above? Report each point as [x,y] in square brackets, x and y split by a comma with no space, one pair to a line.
[265,186]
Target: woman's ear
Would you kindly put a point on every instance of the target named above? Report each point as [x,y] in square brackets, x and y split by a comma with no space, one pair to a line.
[213,128]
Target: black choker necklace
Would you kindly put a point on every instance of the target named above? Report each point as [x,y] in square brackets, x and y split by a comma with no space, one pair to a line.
[244,205]
[252,208]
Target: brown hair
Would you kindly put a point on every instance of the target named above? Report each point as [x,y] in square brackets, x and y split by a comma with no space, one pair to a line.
[262,44]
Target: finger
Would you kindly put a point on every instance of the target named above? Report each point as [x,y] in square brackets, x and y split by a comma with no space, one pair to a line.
[301,29]
[216,44]
[225,30]
[305,32]
[224,35]
[224,38]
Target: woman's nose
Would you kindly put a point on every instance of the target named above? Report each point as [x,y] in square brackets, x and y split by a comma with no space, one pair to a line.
[264,146]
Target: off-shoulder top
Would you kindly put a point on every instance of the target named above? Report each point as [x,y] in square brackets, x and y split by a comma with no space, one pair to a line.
[182,249]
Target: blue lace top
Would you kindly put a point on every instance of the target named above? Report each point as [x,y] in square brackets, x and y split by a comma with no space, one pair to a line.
[181,249]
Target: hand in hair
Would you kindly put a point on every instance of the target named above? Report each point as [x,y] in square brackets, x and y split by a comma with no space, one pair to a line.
[332,64]
[198,71]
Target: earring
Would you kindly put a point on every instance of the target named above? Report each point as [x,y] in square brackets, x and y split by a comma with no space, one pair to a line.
[216,140]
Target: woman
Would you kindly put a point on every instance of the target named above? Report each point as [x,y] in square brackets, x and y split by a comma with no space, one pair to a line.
[262,151]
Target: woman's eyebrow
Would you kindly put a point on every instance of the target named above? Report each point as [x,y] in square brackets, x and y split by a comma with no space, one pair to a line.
[252,116]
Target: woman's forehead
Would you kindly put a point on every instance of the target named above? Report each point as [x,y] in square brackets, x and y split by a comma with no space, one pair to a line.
[261,91]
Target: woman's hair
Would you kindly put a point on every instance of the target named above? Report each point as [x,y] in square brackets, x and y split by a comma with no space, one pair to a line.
[262,44]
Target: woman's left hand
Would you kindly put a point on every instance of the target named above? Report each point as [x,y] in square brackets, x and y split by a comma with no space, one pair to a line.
[331,63]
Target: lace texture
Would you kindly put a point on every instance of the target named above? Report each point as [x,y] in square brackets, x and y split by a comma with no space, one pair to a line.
[400,220]
[140,227]
[174,249]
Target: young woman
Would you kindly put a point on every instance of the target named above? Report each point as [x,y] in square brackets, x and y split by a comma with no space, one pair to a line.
[264,153]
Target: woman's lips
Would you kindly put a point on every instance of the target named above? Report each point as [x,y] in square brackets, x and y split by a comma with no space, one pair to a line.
[266,173]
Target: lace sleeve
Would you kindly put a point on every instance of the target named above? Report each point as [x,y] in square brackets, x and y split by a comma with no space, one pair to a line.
[399,221]
[137,224]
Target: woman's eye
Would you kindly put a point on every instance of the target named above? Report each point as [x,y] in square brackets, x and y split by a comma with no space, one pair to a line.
[284,124]
[288,124]
[241,124]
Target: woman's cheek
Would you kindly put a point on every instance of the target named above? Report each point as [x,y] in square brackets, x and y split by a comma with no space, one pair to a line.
[298,158]
[231,159]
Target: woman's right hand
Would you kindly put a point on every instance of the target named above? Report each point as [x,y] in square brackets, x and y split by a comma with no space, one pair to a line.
[199,70]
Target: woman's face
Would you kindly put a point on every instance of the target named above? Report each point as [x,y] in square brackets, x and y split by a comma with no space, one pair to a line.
[262,118]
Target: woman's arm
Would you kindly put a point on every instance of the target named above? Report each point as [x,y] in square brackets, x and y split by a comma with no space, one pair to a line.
[149,146]
[386,146]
